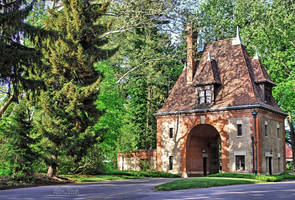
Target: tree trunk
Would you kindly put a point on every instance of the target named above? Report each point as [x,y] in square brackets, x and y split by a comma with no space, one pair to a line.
[292,138]
[51,172]
[5,105]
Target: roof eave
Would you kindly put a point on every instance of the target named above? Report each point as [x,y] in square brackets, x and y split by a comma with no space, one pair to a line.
[239,107]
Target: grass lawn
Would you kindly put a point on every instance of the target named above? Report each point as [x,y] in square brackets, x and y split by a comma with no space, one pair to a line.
[262,177]
[118,175]
[222,179]
[203,182]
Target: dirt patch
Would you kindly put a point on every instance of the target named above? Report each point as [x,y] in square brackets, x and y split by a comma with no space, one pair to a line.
[39,180]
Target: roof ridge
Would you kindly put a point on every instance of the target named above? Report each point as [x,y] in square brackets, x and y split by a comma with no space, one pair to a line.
[251,74]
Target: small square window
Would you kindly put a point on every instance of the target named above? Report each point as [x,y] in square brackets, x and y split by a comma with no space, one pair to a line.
[239,127]
[171,132]
[170,162]
[240,163]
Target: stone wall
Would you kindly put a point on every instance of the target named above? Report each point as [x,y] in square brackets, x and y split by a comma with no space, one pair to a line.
[137,160]
[272,146]
[240,145]
[225,123]
[174,131]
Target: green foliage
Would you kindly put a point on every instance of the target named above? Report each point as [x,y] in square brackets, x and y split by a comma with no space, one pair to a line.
[19,152]
[18,61]
[68,112]
[152,67]
[112,123]
[289,166]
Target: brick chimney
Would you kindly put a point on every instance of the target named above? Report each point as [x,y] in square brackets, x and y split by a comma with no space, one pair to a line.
[191,50]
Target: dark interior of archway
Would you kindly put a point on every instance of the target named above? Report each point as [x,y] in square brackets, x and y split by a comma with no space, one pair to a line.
[203,146]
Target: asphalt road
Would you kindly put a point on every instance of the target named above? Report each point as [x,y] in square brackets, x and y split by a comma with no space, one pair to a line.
[143,189]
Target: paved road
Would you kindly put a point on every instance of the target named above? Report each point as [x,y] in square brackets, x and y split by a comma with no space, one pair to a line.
[142,189]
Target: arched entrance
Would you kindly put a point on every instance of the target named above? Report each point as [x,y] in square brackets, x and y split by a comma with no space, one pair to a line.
[203,151]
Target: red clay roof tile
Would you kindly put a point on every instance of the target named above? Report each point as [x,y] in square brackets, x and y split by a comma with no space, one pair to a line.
[235,72]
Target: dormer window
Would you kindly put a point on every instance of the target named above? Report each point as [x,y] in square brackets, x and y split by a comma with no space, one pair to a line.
[267,94]
[205,96]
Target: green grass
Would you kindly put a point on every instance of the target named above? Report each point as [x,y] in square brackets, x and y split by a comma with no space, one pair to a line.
[203,182]
[266,178]
[222,179]
[118,175]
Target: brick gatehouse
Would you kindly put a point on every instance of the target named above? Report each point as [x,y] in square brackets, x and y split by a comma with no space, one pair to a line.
[220,116]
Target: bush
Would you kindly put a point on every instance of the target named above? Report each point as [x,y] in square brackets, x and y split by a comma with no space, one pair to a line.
[289,165]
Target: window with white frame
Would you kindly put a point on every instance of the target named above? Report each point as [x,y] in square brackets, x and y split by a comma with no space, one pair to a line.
[205,96]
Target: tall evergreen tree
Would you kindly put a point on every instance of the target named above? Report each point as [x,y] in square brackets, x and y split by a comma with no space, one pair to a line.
[70,79]
[18,151]
[17,60]
[150,69]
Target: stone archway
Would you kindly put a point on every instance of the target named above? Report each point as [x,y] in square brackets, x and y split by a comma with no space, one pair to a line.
[203,151]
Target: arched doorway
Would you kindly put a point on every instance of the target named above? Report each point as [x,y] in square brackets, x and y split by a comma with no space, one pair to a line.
[203,151]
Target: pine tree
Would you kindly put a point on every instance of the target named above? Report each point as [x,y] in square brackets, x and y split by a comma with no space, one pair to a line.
[19,154]
[150,60]
[68,109]
[18,61]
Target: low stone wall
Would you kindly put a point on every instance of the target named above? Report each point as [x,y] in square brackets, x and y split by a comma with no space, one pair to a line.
[137,160]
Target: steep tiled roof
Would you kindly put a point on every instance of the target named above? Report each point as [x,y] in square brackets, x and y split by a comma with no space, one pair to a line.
[260,74]
[207,74]
[235,72]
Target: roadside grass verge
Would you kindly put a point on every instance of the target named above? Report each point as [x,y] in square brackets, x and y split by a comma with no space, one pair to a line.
[204,182]
[119,175]
[262,177]
[223,179]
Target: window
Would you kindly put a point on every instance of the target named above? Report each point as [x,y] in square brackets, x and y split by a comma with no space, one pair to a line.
[201,97]
[278,131]
[171,132]
[279,164]
[240,163]
[265,129]
[170,162]
[208,96]
[267,94]
[205,96]
[239,127]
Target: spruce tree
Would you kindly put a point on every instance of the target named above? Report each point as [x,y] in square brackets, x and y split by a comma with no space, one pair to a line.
[18,62]
[19,154]
[68,109]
